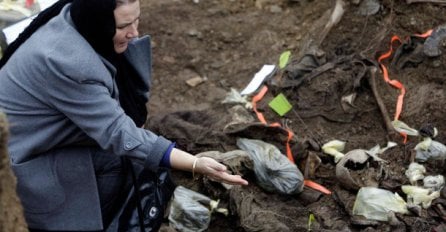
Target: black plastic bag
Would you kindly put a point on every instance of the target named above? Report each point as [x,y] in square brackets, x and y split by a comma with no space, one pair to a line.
[143,210]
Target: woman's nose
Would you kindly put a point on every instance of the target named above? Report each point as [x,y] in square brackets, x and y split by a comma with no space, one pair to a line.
[133,31]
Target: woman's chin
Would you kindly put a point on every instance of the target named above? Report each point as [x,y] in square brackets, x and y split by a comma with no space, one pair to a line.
[121,48]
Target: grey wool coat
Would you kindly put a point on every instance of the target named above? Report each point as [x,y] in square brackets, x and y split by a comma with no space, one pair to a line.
[58,94]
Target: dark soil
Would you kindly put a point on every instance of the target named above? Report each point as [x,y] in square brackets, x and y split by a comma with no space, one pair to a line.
[226,42]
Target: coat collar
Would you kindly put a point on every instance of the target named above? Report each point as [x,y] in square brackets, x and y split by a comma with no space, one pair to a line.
[139,54]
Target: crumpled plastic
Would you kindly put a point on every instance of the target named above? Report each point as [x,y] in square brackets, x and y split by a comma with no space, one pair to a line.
[191,211]
[434,183]
[415,172]
[375,204]
[334,148]
[402,127]
[419,195]
[235,97]
[374,151]
[430,150]
[432,44]
[274,172]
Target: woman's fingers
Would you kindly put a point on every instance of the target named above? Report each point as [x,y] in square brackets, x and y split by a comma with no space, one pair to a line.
[217,171]
[232,179]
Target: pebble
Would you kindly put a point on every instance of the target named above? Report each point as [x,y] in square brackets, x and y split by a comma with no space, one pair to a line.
[275,9]
[369,7]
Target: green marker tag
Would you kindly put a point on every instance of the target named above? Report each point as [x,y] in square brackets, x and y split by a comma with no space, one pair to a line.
[311,219]
[280,104]
[284,58]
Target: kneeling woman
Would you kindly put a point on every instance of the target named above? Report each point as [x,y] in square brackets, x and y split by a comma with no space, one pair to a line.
[74,87]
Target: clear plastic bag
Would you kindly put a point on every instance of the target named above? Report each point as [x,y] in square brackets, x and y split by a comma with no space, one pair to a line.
[235,97]
[274,172]
[374,203]
[191,211]
[334,148]
[415,172]
[433,151]
[434,183]
[419,196]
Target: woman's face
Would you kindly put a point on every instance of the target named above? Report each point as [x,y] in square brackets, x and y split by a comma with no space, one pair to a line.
[127,20]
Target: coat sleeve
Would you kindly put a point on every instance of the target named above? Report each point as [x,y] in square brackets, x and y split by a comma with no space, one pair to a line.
[83,93]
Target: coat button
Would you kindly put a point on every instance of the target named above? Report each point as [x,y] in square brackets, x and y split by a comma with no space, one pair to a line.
[153,212]
[128,145]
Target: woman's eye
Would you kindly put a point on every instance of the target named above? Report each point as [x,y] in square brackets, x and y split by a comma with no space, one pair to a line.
[122,26]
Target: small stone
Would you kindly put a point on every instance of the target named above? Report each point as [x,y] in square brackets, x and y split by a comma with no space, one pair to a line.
[195,81]
[193,32]
[369,7]
[275,9]
[413,21]
[169,59]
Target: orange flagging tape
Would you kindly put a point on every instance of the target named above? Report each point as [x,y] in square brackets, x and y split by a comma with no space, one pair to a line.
[261,118]
[396,83]
[257,98]
[425,34]
[316,186]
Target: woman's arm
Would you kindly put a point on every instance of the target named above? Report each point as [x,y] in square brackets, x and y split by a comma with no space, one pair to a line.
[216,171]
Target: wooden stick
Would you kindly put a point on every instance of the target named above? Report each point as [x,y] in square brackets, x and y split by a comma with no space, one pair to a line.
[388,123]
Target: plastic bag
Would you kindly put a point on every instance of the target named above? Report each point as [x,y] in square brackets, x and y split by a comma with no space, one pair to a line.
[334,148]
[434,183]
[435,151]
[235,97]
[415,172]
[374,203]
[418,195]
[402,127]
[191,211]
[274,172]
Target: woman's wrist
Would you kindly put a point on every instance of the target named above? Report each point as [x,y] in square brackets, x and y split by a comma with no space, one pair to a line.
[182,160]
[194,165]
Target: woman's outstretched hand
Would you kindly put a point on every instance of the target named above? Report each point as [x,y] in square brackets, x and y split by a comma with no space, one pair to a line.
[216,171]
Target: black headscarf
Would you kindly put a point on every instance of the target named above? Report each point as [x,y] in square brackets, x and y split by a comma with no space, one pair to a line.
[95,21]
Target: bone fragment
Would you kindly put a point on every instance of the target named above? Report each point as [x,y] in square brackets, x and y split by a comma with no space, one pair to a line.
[335,17]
